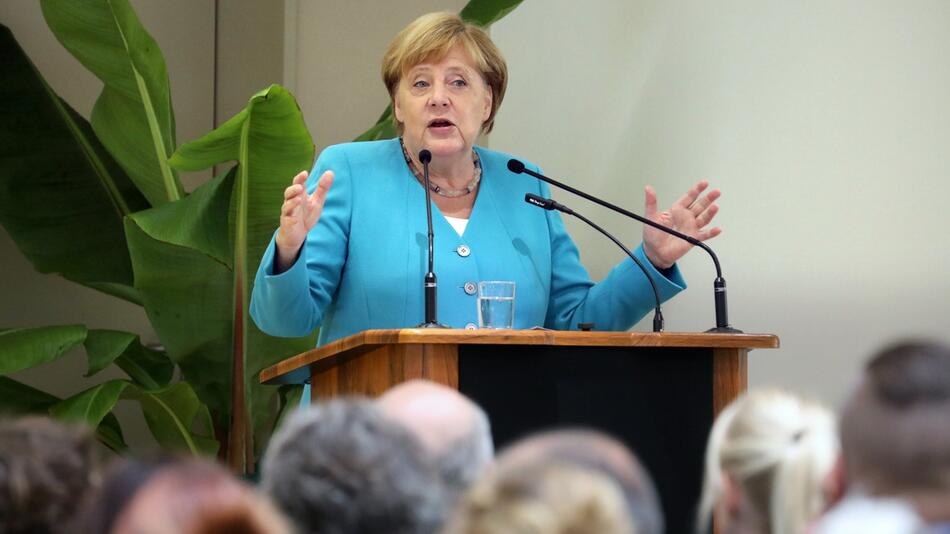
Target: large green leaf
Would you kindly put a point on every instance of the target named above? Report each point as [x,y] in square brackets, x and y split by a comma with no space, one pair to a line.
[479,12]
[62,196]
[90,406]
[270,143]
[17,398]
[23,348]
[133,116]
[180,255]
[487,12]
[385,127]
[149,368]
[171,413]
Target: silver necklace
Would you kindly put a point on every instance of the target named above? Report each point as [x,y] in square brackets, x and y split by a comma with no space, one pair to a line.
[441,191]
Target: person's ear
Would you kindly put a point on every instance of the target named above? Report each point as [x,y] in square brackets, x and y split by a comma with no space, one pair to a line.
[488,102]
[397,110]
[731,495]
[835,483]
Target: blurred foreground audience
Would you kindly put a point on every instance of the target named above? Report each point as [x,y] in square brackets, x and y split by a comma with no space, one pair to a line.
[594,452]
[895,437]
[196,496]
[543,498]
[123,479]
[45,469]
[452,428]
[399,464]
[342,467]
[769,457]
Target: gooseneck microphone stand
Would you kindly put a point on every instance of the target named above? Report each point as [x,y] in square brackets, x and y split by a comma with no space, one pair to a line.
[549,204]
[719,284]
[430,286]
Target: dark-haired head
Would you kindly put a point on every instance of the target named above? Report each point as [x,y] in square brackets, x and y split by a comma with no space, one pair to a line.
[895,427]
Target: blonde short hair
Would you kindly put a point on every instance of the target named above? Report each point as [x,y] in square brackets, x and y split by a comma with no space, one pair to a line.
[778,448]
[429,38]
[543,498]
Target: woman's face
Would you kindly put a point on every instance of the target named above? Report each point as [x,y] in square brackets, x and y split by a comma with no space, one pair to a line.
[443,105]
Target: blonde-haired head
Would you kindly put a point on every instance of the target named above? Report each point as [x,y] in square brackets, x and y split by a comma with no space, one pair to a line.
[429,38]
[778,450]
[543,498]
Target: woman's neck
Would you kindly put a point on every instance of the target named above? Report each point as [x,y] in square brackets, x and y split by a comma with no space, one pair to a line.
[454,171]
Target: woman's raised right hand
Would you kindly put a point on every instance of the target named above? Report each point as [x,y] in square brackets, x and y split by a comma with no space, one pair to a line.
[298,216]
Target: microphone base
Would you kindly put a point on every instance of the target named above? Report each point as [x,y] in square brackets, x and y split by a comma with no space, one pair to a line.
[431,325]
[724,330]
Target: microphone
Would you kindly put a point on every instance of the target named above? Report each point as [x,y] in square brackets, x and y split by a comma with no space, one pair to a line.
[549,204]
[719,284]
[429,283]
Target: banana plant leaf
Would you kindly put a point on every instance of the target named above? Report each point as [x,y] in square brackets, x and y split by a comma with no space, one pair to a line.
[133,115]
[171,413]
[180,254]
[194,261]
[20,399]
[482,13]
[149,368]
[62,196]
[23,348]
[29,347]
[385,127]
[17,398]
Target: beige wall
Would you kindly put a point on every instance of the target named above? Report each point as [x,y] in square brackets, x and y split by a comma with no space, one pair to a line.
[335,59]
[826,124]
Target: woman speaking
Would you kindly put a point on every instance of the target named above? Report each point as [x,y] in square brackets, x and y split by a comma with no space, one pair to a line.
[351,250]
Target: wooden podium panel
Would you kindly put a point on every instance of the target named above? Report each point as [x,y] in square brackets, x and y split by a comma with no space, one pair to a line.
[657,392]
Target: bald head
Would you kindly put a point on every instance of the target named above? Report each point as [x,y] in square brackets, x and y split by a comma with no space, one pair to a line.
[452,428]
[600,452]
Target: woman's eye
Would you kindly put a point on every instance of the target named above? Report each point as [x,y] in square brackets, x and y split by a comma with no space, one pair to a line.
[459,83]
[421,84]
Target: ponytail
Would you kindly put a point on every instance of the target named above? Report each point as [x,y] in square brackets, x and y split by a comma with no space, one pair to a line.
[778,449]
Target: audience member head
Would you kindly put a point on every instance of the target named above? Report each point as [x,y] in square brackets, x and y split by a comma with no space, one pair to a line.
[543,498]
[600,453]
[195,496]
[452,428]
[768,457]
[895,428]
[342,467]
[122,481]
[45,469]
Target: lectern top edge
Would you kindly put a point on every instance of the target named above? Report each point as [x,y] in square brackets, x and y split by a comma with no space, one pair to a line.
[295,369]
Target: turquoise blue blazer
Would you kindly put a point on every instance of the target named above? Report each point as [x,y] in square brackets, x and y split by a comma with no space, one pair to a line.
[362,265]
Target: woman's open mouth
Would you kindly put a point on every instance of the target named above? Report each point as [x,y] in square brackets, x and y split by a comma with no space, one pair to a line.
[441,125]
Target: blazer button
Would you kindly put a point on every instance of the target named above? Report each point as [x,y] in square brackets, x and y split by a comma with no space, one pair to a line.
[470,288]
[471,326]
[463,251]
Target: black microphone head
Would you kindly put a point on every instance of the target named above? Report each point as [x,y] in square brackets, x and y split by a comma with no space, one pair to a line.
[425,156]
[538,201]
[515,166]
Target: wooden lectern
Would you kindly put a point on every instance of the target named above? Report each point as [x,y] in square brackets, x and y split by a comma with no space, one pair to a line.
[657,392]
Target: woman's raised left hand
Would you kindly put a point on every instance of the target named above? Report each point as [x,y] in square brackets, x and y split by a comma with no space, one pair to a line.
[689,215]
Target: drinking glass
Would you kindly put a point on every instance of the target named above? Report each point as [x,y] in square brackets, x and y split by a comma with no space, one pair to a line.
[496,304]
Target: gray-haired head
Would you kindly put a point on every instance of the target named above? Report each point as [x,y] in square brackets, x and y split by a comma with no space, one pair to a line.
[602,453]
[45,469]
[341,467]
[453,429]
